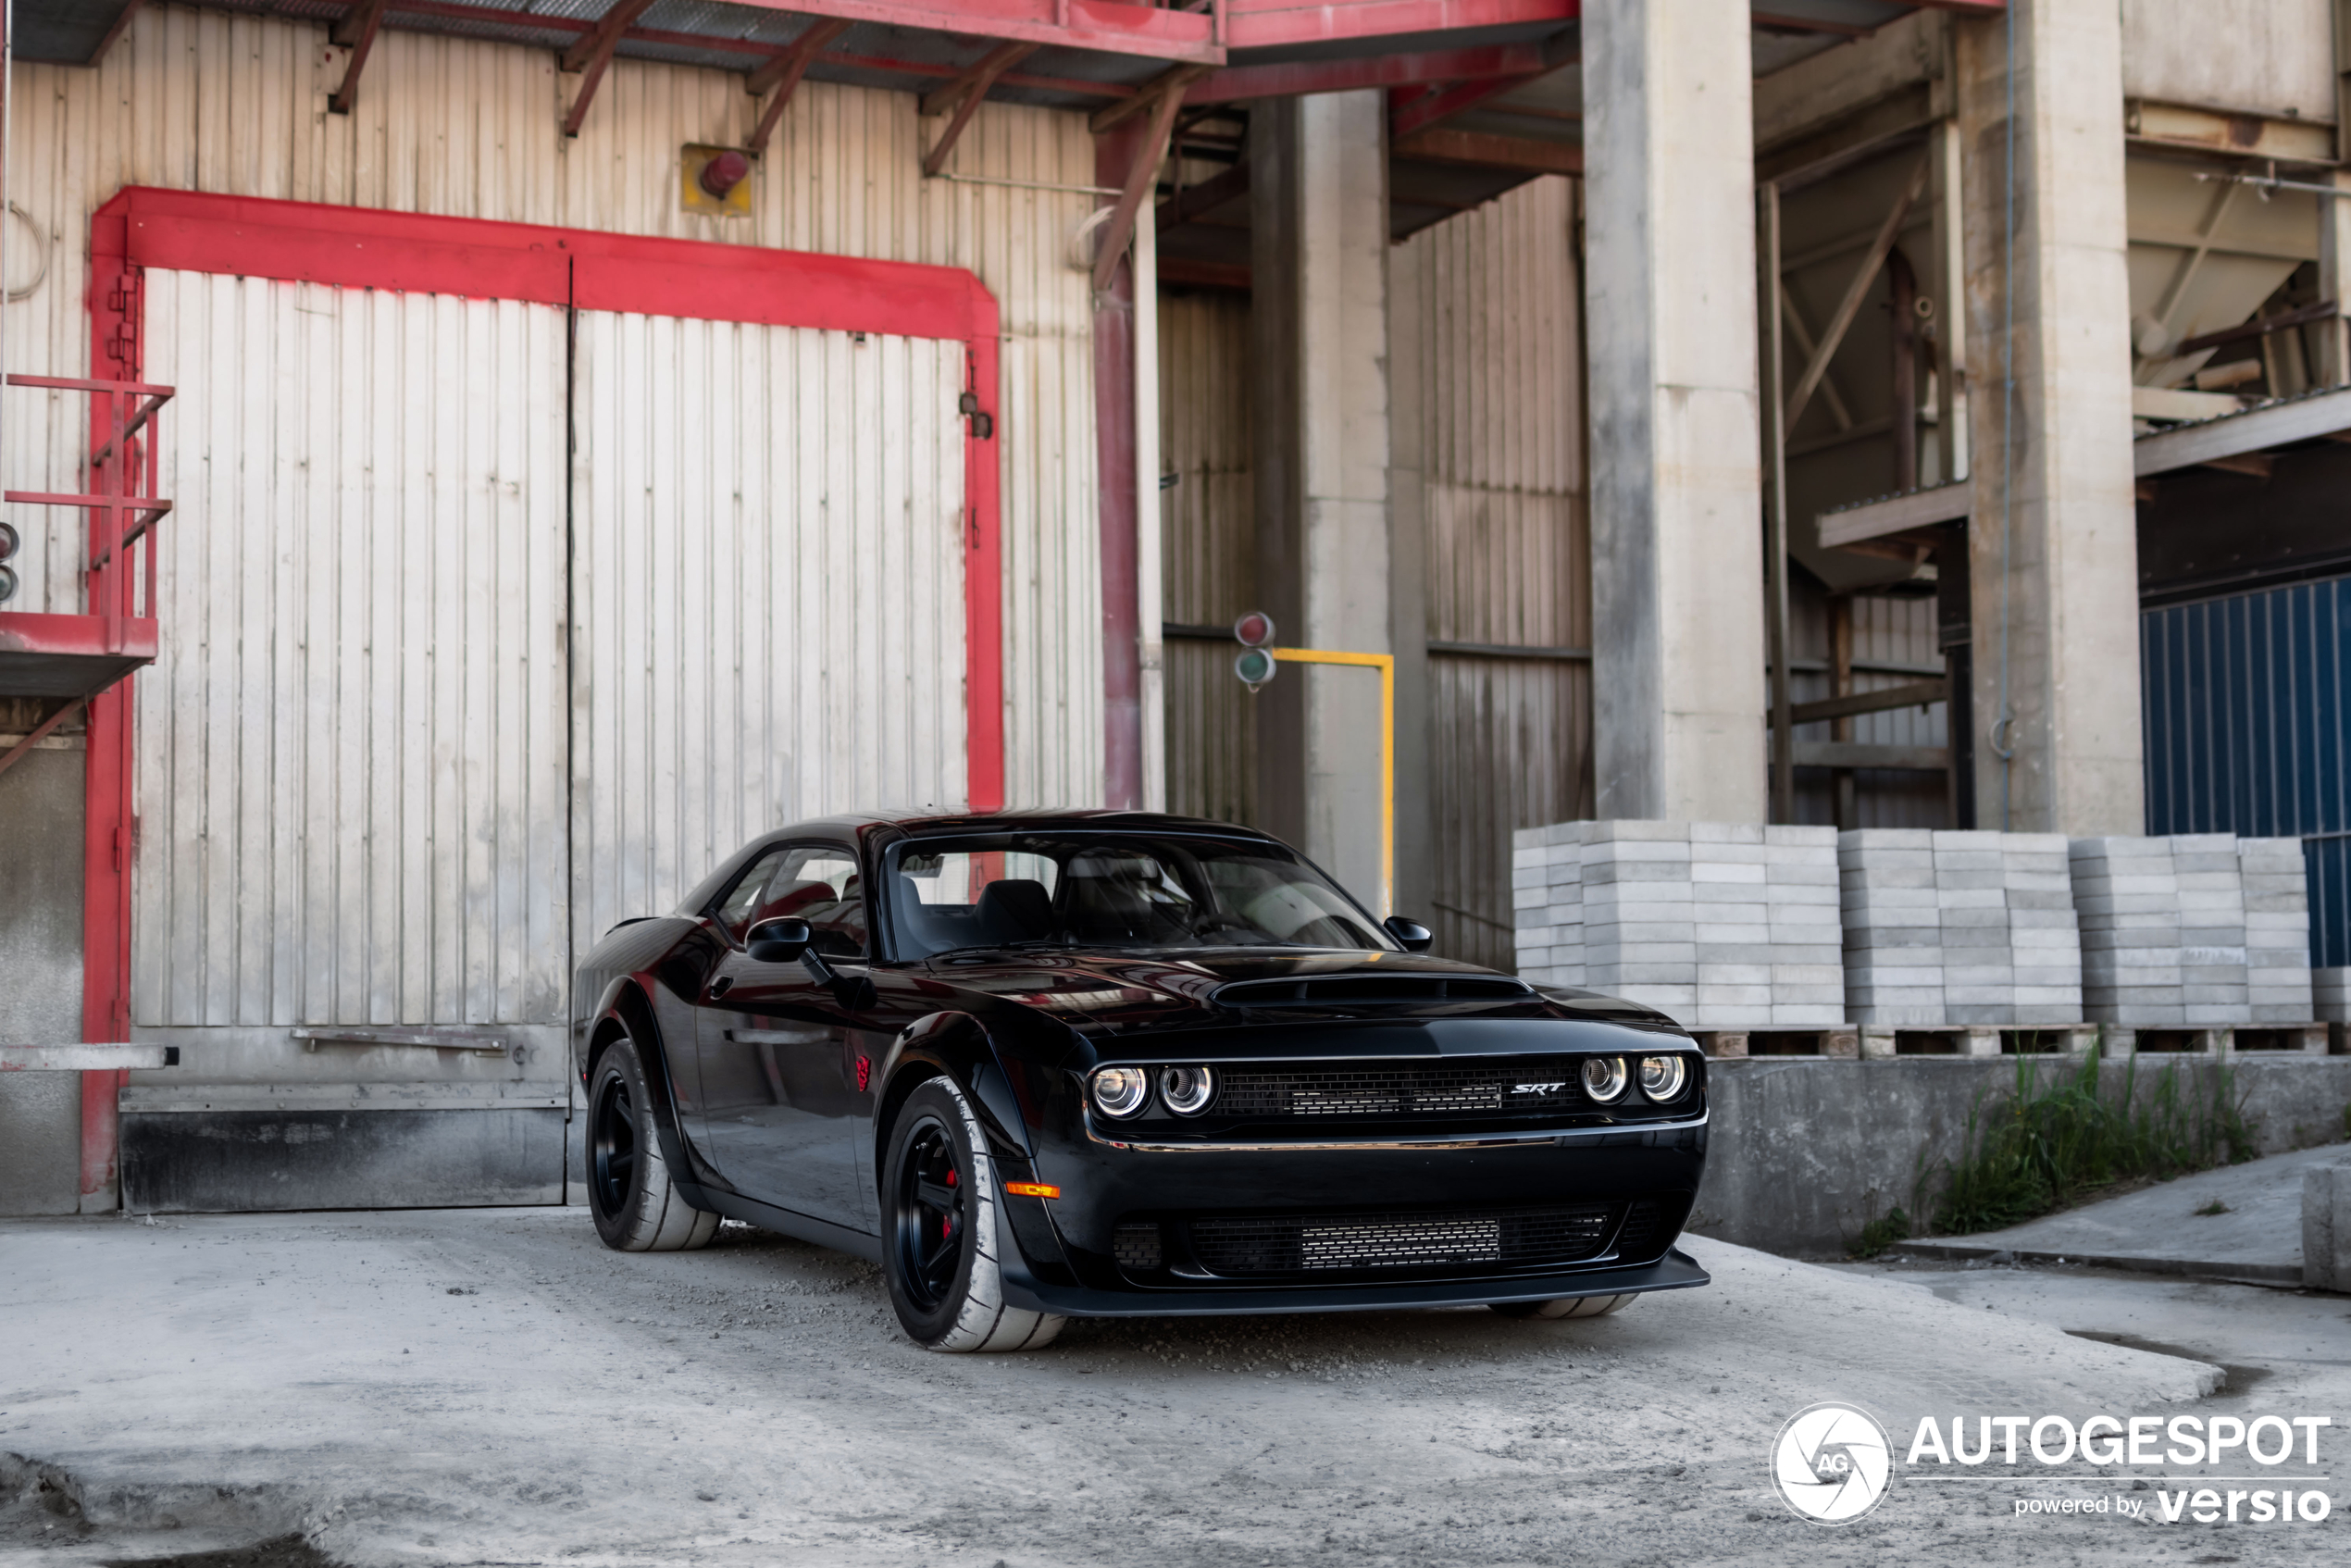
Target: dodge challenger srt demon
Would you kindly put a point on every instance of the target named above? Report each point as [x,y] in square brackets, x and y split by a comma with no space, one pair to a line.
[1039,1065]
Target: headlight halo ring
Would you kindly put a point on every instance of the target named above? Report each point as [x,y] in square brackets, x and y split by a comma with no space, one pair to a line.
[1604,1079]
[1121,1092]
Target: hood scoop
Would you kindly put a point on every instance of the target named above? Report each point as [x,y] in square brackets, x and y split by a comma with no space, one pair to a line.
[1372,991]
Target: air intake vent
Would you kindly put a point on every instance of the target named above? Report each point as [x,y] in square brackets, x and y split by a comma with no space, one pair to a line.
[1493,1238]
[1372,990]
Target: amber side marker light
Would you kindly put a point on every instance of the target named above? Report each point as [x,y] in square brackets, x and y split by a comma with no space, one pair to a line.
[1031,1189]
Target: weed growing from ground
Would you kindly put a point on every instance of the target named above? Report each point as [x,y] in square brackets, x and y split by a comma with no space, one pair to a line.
[2040,1145]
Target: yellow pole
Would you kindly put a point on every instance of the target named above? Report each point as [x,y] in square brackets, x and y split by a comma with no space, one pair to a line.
[1385,664]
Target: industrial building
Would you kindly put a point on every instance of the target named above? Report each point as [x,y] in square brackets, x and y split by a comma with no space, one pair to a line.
[472,465]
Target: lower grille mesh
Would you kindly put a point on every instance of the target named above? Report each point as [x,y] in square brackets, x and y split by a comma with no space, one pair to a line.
[1137,1246]
[1649,1226]
[1251,1244]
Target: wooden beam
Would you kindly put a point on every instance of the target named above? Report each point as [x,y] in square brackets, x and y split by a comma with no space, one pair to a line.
[1913,694]
[1177,79]
[1429,108]
[1854,293]
[2255,429]
[1140,182]
[1861,753]
[966,93]
[779,77]
[1477,149]
[590,56]
[361,23]
[2254,465]
[1193,200]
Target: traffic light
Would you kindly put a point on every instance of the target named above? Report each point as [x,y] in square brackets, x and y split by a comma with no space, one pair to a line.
[1253,631]
[7,573]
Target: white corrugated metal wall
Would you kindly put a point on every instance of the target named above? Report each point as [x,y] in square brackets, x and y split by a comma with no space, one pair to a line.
[1498,292]
[770,591]
[203,101]
[208,102]
[351,759]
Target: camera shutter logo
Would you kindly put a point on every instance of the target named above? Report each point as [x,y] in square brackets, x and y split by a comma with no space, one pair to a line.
[1832,1463]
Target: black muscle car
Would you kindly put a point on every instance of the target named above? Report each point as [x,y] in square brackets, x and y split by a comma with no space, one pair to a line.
[1043,1064]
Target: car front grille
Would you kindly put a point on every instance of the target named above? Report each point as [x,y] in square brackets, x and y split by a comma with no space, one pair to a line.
[1475,1087]
[1650,1226]
[1472,1240]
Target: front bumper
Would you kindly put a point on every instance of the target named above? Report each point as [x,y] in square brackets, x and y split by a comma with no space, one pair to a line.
[1675,1271]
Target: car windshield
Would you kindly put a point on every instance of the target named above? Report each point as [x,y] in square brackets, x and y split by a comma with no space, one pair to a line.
[1114,890]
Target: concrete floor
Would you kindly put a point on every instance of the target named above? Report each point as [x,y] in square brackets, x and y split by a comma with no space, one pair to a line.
[493,1386]
[2241,1222]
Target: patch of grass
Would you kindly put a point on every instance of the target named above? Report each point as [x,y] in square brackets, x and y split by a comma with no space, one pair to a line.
[1879,1234]
[2213,1207]
[2035,1148]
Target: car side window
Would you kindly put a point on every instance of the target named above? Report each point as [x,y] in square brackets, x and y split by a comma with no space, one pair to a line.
[735,910]
[818,884]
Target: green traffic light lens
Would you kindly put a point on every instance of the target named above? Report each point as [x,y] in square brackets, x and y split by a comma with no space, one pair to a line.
[1255,667]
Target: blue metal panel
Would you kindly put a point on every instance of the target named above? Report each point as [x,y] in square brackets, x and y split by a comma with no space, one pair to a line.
[2247,731]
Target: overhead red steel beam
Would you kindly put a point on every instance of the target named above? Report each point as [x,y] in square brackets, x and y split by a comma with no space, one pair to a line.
[592,55]
[768,54]
[1112,27]
[356,32]
[1203,274]
[1772,22]
[1236,83]
[1178,76]
[965,94]
[1429,108]
[1266,24]
[1475,149]
[1148,155]
[782,76]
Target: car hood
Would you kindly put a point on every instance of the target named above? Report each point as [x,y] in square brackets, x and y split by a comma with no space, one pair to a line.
[1131,991]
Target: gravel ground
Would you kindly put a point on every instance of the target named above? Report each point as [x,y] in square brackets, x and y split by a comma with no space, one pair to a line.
[493,1387]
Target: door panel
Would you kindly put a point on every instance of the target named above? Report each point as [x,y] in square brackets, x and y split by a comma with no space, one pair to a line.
[350,752]
[777,1094]
[769,591]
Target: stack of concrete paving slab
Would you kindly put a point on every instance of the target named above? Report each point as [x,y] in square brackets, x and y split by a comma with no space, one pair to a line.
[2330,995]
[2126,893]
[2212,960]
[1893,928]
[2278,978]
[1959,928]
[1546,895]
[1720,925]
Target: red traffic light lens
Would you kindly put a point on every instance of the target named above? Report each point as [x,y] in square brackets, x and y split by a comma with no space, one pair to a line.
[1254,630]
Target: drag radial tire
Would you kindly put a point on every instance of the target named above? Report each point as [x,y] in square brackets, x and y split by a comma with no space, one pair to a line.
[1569,1306]
[938,1238]
[637,1207]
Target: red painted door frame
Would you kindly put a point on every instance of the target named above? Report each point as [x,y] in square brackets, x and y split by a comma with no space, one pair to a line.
[368,248]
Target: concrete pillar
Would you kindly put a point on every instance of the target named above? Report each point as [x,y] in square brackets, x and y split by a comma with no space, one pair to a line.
[1318,212]
[2326,1227]
[2053,540]
[1677,567]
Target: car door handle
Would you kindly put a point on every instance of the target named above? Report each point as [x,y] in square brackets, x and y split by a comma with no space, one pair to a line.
[778,1037]
[721,985]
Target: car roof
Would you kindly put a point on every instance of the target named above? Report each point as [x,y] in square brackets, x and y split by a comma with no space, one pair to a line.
[919,823]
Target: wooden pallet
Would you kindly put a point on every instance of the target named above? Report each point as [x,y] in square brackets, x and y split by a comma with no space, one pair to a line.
[1735,1045]
[1886,1041]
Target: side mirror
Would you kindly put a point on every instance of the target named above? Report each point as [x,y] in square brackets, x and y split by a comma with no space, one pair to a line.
[1415,936]
[779,941]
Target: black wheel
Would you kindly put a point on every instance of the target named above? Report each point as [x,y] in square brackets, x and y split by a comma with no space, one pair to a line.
[636,1206]
[938,1203]
[1568,1306]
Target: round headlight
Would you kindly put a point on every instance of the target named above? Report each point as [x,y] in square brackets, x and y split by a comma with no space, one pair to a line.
[1604,1078]
[1120,1091]
[1662,1077]
[1185,1090]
